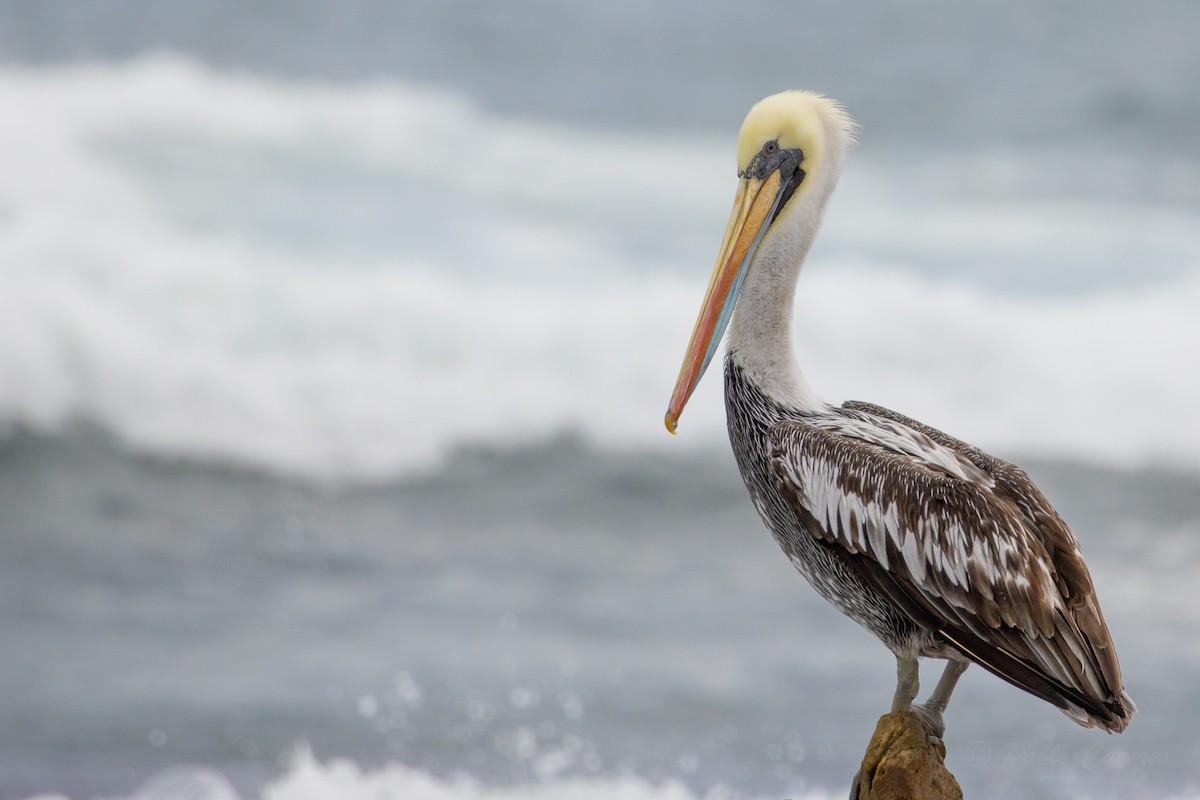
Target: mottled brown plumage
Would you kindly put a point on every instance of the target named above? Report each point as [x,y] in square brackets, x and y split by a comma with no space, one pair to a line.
[1026,611]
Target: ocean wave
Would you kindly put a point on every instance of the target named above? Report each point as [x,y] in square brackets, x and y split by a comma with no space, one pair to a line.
[350,282]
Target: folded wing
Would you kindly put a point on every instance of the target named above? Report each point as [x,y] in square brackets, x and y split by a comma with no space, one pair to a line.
[964,543]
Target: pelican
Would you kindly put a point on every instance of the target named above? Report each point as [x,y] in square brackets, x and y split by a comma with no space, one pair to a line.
[939,549]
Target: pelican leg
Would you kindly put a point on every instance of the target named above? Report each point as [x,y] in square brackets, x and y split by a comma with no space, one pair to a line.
[908,683]
[931,710]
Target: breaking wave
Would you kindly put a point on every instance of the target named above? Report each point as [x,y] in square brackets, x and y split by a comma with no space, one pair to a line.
[350,282]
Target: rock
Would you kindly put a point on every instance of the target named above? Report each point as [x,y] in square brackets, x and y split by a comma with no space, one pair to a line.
[903,762]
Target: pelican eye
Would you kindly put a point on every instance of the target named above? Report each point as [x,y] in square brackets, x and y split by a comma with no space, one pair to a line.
[770,148]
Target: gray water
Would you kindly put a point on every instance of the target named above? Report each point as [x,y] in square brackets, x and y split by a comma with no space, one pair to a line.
[944,73]
[519,615]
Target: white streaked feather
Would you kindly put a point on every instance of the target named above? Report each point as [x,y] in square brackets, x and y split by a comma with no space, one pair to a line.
[912,559]
[900,439]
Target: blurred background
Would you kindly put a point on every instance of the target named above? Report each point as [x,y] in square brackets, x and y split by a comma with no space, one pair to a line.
[335,340]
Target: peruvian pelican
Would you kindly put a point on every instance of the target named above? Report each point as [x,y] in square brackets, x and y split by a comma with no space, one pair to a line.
[936,547]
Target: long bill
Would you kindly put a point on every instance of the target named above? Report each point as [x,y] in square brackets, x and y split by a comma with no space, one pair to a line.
[754,208]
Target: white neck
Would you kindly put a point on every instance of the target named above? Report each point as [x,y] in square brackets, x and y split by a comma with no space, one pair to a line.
[760,333]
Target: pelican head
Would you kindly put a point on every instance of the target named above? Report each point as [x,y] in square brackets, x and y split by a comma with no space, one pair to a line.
[790,152]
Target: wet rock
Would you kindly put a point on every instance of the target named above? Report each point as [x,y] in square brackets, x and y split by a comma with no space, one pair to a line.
[903,762]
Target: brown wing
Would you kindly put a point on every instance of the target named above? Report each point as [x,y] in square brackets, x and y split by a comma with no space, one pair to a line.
[982,558]
[1013,485]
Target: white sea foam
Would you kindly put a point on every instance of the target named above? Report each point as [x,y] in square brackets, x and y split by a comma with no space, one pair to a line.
[310,779]
[349,282]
